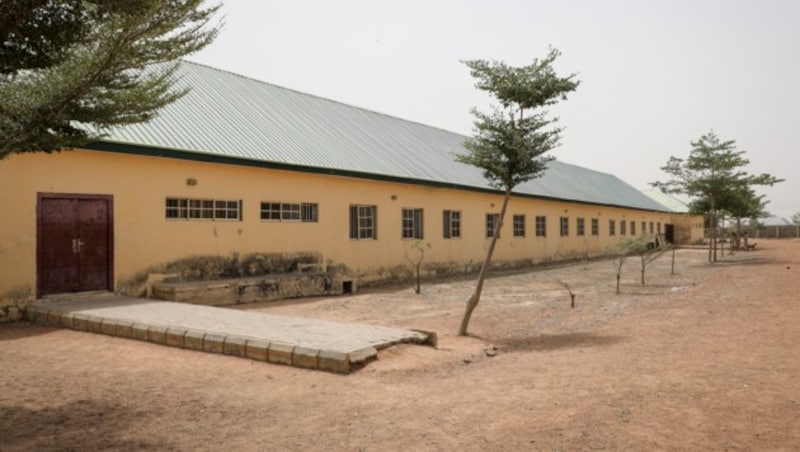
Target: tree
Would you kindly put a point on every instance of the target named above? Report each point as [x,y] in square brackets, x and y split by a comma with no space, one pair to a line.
[712,174]
[416,262]
[510,142]
[71,69]
[796,218]
[647,247]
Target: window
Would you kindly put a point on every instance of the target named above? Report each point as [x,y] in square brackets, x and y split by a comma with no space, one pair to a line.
[519,225]
[622,224]
[658,225]
[283,211]
[644,227]
[633,228]
[491,223]
[541,226]
[363,222]
[651,228]
[595,226]
[581,227]
[612,227]
[564,225]
[203,209]
[452,224]
[412,224]
[309,213]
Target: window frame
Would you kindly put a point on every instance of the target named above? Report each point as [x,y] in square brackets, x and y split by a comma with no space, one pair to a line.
[363,222]
[563,226]
[595,227]
[411,223]
[289,212]
[541,225]
[202,209]
[518,225]
[492,219]
[580,227]
[612,227]
[451,224]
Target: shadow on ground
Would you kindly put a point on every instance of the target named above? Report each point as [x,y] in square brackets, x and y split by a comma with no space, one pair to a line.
[547,342]
[66,427]
[20,330]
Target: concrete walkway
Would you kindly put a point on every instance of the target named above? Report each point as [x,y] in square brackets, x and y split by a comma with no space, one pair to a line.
[308,343]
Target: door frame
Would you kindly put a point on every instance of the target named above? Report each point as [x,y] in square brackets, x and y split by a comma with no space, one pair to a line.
[40,197]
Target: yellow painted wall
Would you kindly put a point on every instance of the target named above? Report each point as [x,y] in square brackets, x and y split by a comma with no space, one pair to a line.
[144,237]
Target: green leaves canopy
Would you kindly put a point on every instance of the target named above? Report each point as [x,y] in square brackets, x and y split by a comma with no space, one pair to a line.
[712,174]
[509,143]
[71,69]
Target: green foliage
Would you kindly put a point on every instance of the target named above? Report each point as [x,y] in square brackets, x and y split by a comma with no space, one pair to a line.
[509,143]
[712,173]
[647,247]
[71,69]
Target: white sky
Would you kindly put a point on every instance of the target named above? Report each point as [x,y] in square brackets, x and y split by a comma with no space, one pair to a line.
[655,74]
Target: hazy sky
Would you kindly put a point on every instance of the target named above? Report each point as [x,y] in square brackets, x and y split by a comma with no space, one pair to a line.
[655,74]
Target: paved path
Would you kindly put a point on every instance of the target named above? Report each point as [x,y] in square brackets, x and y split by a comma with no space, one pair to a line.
[301,342]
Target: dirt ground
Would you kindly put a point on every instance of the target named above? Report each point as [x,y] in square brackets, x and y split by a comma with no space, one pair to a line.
[706,359]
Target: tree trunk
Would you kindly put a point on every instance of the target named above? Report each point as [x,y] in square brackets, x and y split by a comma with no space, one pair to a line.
[418,289]
[672,272]
[472,303]
[644,265]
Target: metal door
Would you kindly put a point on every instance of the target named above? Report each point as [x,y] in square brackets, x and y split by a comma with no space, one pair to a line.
[74,241]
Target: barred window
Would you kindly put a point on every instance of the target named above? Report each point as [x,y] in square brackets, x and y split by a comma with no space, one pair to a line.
[622,225]
[284,211]
[541,226]
[564,226]
[363,222]
[633,228]
[581,227]
[612,227]
[202,209]
[595,226]
[518,225]
[451,220]
[492,220]
[412,224]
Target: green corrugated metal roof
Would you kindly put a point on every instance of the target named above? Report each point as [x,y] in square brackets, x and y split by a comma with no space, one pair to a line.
[234,117]
[670,202]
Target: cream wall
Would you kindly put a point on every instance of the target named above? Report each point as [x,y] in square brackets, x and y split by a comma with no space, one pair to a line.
[144,237]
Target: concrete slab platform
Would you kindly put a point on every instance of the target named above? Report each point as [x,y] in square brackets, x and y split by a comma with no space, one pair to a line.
[307,343]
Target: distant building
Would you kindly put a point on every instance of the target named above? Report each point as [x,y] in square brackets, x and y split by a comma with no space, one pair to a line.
[241,169]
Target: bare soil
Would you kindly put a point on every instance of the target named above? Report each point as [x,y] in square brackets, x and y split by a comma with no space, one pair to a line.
[706,359]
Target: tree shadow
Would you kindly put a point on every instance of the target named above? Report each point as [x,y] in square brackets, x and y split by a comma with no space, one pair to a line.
[22,329]
[65,427]
[546,342]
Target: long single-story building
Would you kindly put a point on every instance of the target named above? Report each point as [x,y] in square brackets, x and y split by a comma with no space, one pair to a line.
[257,175]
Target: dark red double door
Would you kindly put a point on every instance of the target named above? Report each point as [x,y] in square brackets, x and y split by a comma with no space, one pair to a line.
[74,243]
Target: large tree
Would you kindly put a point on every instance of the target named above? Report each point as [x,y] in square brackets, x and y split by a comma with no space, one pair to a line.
[509,142]
[714,176]
[70,69]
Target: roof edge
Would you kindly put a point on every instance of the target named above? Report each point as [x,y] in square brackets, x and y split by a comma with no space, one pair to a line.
[154,151]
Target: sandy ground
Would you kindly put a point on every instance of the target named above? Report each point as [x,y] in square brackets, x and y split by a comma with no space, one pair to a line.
[706,359]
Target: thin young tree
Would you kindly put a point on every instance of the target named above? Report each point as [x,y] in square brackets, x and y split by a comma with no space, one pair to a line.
[71,69]
[509,142]
[713,170]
